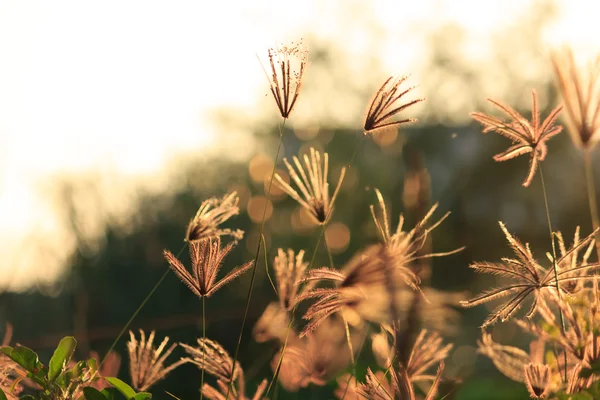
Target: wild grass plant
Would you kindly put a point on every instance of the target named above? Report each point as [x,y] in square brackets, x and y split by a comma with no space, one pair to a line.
[325,318]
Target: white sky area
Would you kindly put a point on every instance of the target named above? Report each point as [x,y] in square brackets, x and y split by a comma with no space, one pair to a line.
[123,87]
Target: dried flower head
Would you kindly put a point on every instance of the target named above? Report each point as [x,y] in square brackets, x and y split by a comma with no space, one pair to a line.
[287,64]
[377,386]
[528,137]
[290,270]
[529,276]
[509,360]
[311,180]
[207,258]
[569,260]
[538,380]
[580,91]
[147,363]
[580,337]
[212,213]
[516,364]
[361,290]
[316,358]
[214,359]
[427,350]
[385,105]
[405,246]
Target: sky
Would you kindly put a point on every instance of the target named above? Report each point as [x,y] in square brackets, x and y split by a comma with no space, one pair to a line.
[122,88]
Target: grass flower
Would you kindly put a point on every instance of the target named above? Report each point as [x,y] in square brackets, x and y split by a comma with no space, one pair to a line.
[361,288]
[207,258]
[211,214]
[386,104]
[316,358]
[406,245]
[530,278]
[311,180]
[287,65]
[377,386]
[428,349]
[529,137]
[211,357]
[580,91]
[537,380]
[147,363]
[290,270]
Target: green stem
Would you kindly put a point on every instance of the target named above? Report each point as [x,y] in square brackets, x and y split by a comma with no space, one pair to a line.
[554,265]
[137,311]
[253,275]
[591,192]
[203,339]
[312,261]
[355,361]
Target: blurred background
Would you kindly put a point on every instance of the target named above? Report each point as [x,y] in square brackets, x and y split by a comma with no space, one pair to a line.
[117,119]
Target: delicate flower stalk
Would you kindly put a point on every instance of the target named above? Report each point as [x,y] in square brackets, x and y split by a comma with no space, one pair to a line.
[211,357]
[147,363]
[311,180]
[407,244]
[385,105]
[287,64]
[290,270]
[211,214]
[530,278]
[527,136]
[207,259]
[580,91]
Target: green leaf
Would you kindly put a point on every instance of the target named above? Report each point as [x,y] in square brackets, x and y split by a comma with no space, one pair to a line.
[62,355]
[27,397]
[2,395]
[92,394]
[23,356]
[108,394]
[122,387]
[142,396]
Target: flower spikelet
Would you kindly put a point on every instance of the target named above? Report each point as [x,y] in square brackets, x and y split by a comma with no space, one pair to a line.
[211,214]
[580,91]
[529,278]
[287,64]
[528,137]
[311,180]
[386,104]
[147,363]
[207,258]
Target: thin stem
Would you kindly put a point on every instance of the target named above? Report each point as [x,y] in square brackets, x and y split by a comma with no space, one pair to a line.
[137,311]
[349,340]
[554,265]
[591,191]
[353,374]
[331,265]
[312,261]
[204,341]
[262,239]
[253,275]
